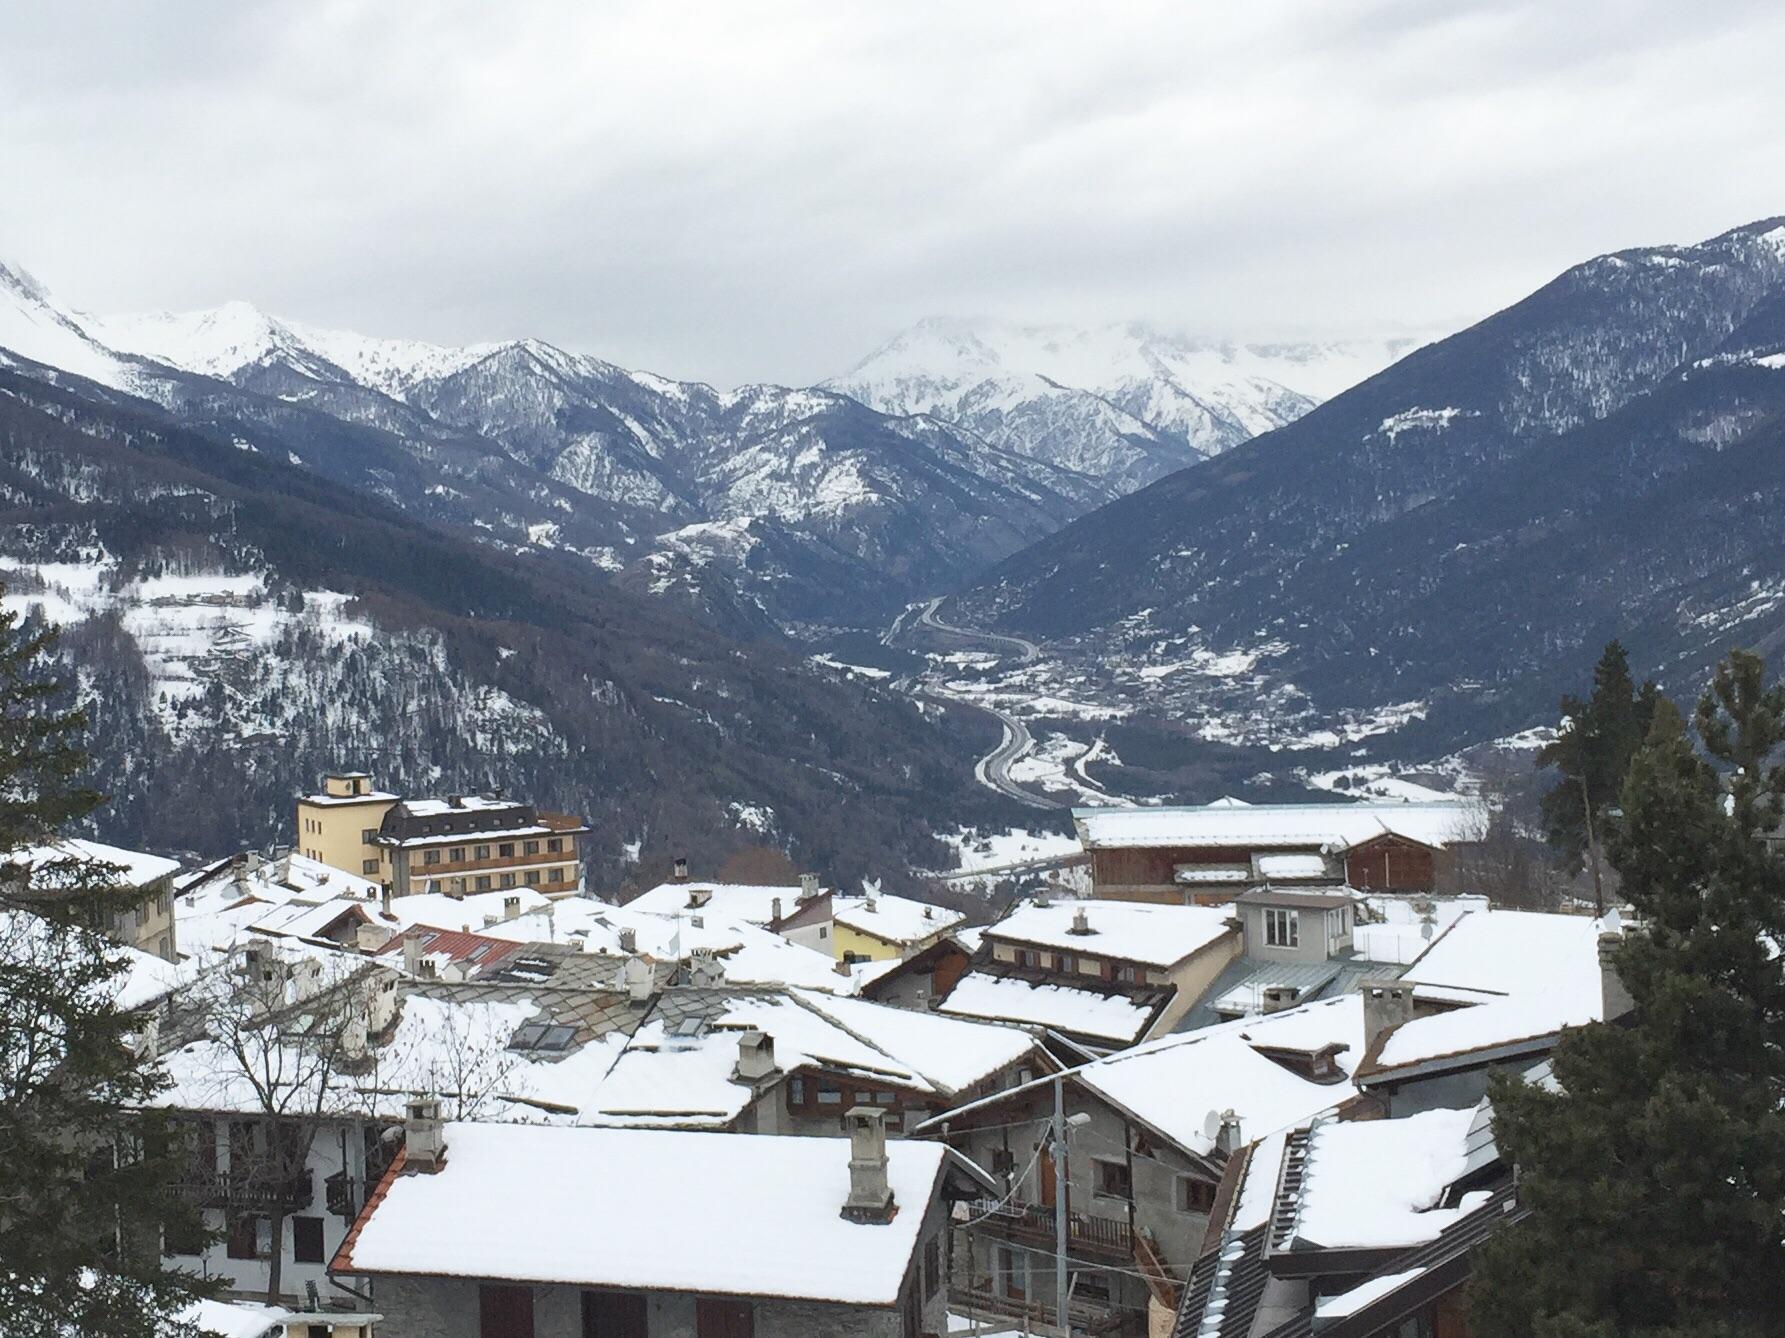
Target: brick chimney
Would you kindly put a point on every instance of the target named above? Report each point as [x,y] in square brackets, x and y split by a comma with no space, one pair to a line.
[756,1056]
[1387,1004]
[424,1137]
[870,1195]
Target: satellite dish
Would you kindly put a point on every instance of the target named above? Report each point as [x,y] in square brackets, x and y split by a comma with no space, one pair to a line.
[1211,1125]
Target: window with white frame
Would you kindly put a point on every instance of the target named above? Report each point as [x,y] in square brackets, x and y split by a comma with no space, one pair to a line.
[1282,929]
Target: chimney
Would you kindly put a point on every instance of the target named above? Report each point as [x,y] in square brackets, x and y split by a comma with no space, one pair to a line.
[455,801]
[353,1038]
[697,921]
[1081,923]
[384,898]
[842,967]
[629,941]
[868,903]
[1227,1138]
[870,1195]
[641,982]
[1041,898]
[424,1139]
[511,908]
[1276,998]
[775,910]
[1615,1000]
[381,1004]
[681,867]
[704,969]
[1387,1004]
[756,1055]
[808,886]
[369,938]
[412,952]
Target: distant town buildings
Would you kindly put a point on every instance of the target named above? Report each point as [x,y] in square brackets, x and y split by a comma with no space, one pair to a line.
[457,845]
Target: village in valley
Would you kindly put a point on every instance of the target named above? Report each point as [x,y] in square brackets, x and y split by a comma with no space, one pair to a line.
[1214,1072]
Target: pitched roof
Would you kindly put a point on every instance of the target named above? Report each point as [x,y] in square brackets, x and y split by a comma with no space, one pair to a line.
[1098,1014]
[587,1207]
[893,919]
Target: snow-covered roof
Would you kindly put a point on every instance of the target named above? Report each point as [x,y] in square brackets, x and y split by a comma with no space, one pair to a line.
[144,979]
[470,912]
[748,954]
[950,1053]
[135,867]
[894,919]
[1291,866]
[347,800]
[1176,1083]
[752,902]
[1374,1184]
[236,1319]
[1128,931]
[1521,976]
[469,803]
[1294,825]
[1078,1012]
[649,1210]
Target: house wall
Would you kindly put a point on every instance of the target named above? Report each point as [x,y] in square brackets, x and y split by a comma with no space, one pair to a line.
[332,833]
[1312,946]
[1153,1166]
[249,1276]
[866,947]
[448,1307]
[149,924]
[1149,873]
[1392,863]
[816,936]
[1192,978]
[550,872]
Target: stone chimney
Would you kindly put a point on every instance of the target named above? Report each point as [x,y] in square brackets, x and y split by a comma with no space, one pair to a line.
[640,979]
[629,941]
[756,1056]
[368,937]
[681,869]
[808,886]
[870,1194]
[1227,1137]
[705,971]
[424,1138]
[774,910]
[1615,999]
[1275,998]
[511,908]
[1081,923]
[412,952]
[1387,1004]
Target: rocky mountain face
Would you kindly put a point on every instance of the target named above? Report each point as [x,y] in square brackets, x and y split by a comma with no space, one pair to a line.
[1460,533]
[1123,404]
[238,623]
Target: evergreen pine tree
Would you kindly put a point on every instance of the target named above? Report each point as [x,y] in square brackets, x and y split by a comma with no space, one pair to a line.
[85,1174]
[1654,1167]
[1592,750]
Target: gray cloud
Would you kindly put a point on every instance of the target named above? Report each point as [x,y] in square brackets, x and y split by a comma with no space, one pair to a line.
[763,191]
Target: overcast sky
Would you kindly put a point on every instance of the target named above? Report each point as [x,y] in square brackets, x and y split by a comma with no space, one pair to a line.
[739,190]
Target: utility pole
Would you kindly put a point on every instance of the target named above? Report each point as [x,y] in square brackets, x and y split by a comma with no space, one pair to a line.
[1061,1181]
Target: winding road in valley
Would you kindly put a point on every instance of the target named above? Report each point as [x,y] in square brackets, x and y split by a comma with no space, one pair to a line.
[992,770]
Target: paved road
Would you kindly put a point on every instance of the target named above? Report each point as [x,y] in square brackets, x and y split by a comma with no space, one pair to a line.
[992,770]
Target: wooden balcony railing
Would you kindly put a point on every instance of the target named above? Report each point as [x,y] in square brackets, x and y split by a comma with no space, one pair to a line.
[1034,1223]
[219,1189]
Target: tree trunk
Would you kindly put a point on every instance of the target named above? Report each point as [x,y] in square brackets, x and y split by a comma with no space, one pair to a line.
[276,1264]
[1586,802]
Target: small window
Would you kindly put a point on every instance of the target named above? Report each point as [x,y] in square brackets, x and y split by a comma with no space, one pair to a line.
[480,852]
[506,850]
[1195,1196]
[456,854]
[1112,1179]
[532,877]
[250,1237]
[483,882]
[368,866]
[367,835]
[796,1092]
[554,844]
[1065,961]
[306,1240]
[1028,957]
[431,856]
[824,931]
[829,1095]
[883,1098]
[1282,928]
[529,847]
[508,880]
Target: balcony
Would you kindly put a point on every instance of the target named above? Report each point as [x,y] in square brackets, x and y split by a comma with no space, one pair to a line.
[219,1189]
[344,1194]
[1033,1224]
[1036,1315]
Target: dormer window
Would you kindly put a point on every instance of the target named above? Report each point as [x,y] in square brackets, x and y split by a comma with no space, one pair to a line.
[1282,928]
